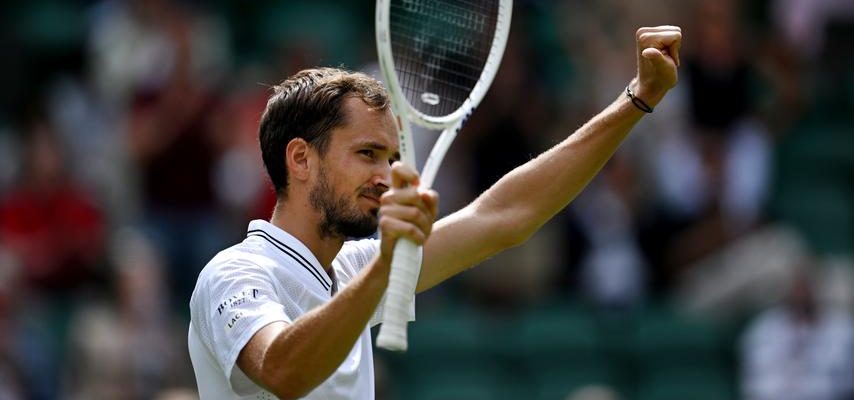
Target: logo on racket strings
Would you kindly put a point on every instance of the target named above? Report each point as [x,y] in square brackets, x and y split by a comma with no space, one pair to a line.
[430,98]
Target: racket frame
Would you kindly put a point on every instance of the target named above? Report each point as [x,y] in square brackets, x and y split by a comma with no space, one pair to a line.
[403,278]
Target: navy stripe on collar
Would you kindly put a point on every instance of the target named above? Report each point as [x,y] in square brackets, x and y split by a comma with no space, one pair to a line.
[295,255]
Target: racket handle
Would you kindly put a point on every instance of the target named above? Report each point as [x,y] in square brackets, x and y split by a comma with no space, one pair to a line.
[403,277]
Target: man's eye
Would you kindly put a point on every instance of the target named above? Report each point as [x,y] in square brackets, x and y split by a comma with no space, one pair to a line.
[367,153]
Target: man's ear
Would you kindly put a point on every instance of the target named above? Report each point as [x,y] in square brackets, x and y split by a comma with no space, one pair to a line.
[297,155]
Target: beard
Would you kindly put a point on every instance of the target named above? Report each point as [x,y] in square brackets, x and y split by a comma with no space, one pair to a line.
[339,215]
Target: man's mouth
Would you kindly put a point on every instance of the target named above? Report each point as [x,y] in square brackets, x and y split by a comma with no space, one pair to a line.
[372,193]
[371,198]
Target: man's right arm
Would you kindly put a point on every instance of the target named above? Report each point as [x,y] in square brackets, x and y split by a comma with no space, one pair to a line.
[290,360]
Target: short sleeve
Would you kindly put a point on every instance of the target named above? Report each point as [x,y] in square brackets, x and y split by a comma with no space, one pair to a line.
[238,299]
[354,256]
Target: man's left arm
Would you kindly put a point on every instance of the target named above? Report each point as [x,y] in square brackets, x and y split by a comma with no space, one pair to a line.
[516,206]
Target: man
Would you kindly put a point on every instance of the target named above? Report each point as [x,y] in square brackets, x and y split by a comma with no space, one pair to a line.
[800,349]
[287,312]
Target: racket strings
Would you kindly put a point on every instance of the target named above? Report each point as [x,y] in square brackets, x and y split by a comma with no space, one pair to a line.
[440,48]
[407,23]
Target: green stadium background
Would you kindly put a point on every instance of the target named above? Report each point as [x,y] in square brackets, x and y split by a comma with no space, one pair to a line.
[128,157]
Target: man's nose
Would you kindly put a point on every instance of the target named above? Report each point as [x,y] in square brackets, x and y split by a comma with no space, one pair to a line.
[382,178]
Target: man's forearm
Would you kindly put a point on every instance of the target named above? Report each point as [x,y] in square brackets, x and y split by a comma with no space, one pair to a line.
[306,353]
[522,201]
[534,192]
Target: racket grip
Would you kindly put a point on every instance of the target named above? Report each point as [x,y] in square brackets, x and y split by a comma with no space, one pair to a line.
[403,277]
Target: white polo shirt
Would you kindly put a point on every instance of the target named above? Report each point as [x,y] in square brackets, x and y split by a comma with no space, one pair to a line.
[271,276]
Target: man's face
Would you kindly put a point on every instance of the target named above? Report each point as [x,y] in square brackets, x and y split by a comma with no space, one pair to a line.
[355,171]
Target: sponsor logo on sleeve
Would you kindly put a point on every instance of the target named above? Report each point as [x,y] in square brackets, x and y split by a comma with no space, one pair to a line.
[236,316]
[237,300]
[231,306]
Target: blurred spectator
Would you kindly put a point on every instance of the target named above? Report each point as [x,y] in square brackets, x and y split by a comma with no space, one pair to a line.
[55,235]
[97,155]
[47,222]
[239,177]
[802,22]
[724,160]
[799,350]
[175,139]
[133,46]
[717,69]
[613,270]
[750,273]
[127,345]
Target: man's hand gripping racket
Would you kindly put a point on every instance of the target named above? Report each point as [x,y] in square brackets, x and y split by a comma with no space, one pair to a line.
[438,58]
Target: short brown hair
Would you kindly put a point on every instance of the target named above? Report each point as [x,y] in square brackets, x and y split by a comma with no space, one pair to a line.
[308,105]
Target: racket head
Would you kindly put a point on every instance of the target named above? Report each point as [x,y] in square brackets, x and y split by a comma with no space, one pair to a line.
[439,57]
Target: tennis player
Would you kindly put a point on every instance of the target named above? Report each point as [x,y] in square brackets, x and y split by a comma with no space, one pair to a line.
[286,313]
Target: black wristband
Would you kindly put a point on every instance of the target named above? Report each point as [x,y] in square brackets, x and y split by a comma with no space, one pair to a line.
[640,104]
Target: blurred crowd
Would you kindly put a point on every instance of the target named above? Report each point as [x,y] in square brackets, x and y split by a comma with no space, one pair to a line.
[129,157]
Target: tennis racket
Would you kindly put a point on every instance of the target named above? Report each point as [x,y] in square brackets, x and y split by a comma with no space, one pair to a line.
[438,58]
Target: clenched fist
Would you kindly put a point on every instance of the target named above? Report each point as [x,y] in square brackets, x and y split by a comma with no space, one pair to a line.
[405,210]
[658,58]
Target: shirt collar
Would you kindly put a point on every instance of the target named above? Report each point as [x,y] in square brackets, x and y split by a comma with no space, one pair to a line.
[290,244]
